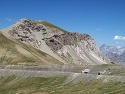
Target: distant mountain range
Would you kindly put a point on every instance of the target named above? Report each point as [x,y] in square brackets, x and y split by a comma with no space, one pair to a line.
[116,54]
[40,41]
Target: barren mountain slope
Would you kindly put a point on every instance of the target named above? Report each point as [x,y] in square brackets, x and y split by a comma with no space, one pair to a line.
[16,52]
[116,54]
[73,48]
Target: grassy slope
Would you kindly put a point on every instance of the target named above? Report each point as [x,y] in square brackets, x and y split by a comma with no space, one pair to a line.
[18,85]
[10,55]
[52,26]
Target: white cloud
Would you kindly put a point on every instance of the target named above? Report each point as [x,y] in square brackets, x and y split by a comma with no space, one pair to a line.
[119,37]
[98,29]
[9,19]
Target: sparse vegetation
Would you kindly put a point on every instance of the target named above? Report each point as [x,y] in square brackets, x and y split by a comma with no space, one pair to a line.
[38,85]
[10,55]
[52,26]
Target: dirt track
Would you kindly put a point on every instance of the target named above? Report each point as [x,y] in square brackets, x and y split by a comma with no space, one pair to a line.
[56,71]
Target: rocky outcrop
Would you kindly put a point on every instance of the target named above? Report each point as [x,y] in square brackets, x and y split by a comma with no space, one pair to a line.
[33,33]
[56,42]
[74,48]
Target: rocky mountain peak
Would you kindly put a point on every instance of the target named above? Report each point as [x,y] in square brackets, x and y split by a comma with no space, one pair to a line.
[112,49]
[65,46]
[56,42]
[116,54]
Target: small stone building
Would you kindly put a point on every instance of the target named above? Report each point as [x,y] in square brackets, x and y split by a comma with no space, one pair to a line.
[86,71]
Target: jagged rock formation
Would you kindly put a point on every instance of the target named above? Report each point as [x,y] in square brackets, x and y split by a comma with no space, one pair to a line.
[64,46]
[116,54]
[75,47]
[56,42]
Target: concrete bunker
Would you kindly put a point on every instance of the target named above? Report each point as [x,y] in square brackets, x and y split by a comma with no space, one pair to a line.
[86,71]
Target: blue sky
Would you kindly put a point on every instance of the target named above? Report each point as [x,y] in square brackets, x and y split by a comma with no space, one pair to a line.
[103,20]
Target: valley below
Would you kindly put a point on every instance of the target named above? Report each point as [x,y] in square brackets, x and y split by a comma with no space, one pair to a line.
[62,79]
